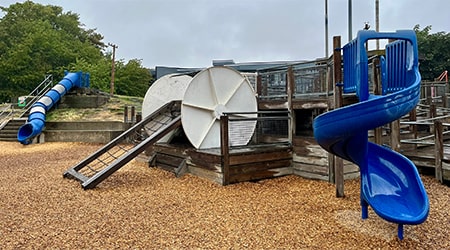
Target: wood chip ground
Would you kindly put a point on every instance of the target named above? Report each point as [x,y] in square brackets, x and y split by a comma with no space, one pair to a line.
[147,208]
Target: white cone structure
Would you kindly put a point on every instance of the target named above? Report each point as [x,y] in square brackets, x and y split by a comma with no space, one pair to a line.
[210,93]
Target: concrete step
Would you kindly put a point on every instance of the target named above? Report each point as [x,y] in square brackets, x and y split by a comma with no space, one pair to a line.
[9,131]
[8,138]
[94,136]
[84,131]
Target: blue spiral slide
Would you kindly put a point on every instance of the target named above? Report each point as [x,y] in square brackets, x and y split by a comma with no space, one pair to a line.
[390,182]
[36,119]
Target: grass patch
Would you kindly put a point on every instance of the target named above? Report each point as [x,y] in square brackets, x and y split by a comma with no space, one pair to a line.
[113,110]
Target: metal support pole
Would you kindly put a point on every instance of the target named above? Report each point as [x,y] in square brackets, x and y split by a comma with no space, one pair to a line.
[350,36]
[377,21]
[326,28]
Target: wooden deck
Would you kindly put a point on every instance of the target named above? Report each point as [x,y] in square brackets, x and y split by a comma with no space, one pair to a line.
[250,163]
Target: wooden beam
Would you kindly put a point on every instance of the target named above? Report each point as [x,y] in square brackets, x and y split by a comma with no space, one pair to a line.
[338,101]
[413,127]
[291,90]
[225,149]
[377,91]
[259,87]
[395,135]
[439,150]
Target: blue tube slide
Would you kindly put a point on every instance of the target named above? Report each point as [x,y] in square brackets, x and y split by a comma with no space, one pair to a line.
[36,118]
[390,182]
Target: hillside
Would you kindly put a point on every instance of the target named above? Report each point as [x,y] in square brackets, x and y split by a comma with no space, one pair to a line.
[113,110]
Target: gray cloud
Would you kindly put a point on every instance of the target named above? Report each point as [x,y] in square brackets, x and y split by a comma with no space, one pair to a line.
[193,33]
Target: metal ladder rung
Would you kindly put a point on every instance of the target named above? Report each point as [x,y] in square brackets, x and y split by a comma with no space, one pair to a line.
[93,169]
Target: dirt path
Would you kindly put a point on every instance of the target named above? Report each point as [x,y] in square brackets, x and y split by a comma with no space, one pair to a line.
[148,208]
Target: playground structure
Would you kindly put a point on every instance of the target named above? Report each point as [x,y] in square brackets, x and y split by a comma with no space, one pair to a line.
[390,182]
[277,139]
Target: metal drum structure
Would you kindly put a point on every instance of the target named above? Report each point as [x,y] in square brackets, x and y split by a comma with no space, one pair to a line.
[210,94]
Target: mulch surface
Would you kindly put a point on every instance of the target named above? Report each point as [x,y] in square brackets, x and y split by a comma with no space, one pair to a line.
[148,208]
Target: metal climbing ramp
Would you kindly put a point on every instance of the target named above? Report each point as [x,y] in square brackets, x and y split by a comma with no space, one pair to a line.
[114,155]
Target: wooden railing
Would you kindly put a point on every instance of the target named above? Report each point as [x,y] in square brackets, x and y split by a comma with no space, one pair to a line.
[309,78]
[270,140]
[437,136]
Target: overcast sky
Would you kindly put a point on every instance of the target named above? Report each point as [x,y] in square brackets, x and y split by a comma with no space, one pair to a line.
[192,33]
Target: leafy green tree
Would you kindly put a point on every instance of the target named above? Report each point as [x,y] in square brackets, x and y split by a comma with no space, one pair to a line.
[434,52]
[100,72]
[36,40]
[132,78]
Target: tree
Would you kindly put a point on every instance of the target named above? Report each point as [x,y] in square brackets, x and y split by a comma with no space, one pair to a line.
[434,52]
[132,78]
[36,40]
[100,72]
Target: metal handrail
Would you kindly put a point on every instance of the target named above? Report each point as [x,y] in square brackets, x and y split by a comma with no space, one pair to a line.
[37,93]
[4,115]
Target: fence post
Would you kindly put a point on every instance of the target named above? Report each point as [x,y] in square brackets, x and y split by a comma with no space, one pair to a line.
[338,162]
[225,149]
[439,149]
[133,114]
[125,114]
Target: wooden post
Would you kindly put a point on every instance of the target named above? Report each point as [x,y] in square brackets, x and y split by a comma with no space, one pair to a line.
[125,114]
[338,102]
[444,99]
[413,127]
[439,149]
[225,149]
[446,91]
[395,135]
[133,114]
[378,132]
[290,93]
[433,114]
[259,87]
[138,117]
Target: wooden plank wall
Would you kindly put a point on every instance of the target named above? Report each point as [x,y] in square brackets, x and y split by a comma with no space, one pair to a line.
[260,164]
[244,165]
[311,161]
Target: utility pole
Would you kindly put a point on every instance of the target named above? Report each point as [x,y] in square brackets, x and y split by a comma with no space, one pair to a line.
[111,87]
[326,28]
